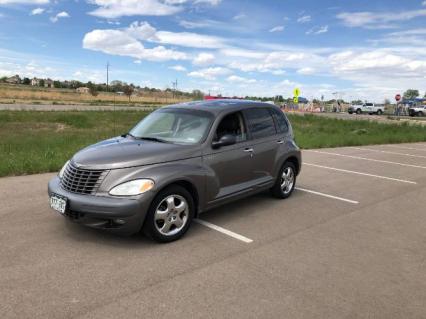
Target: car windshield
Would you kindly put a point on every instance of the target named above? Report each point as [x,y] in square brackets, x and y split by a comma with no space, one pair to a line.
[179,126]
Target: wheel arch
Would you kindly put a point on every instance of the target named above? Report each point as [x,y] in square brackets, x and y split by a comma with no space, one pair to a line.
[190,187]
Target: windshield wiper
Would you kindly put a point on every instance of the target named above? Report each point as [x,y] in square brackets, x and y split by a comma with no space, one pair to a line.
[128,134]
[154,139]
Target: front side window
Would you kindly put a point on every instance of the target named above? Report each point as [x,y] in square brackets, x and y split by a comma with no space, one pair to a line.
[174,126]
[232,124]
[260,122]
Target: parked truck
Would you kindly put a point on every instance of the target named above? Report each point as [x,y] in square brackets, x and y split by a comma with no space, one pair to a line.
[369,108]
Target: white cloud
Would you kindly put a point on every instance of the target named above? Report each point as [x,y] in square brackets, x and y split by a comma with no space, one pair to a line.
[37,11]
[210,2]
[318,30]
[210,73]
[188,39]
[60,15]
[240,79]
[193,24]
[34,2]
[304,19]
[119,8]
[278,28]
[378,20]
[306,70]
[424,3]
[141,31]
[410,37]
[240,16]
[204,59]
[178,68]
[126,43]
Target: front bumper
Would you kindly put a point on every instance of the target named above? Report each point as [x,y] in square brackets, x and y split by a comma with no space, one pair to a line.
[118,215]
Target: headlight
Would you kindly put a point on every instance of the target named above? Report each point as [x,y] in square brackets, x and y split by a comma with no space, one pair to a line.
[132,188]
[61,172]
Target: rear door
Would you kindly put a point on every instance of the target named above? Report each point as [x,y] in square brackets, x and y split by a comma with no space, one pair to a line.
[265,140]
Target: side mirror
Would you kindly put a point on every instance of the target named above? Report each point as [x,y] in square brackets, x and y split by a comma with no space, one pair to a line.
[225,140]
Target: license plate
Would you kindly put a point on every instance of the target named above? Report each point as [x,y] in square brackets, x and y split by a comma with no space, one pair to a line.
[59,204]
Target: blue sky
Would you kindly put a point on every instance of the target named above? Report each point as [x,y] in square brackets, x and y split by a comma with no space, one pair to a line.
[359,49]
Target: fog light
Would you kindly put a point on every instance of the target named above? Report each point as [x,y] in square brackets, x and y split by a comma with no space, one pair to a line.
[119,221]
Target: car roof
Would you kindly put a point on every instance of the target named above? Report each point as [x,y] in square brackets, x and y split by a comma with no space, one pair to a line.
[218,106]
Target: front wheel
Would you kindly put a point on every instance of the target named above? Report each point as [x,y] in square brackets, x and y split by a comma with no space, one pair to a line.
[358,111]
[170,214]
[285,182]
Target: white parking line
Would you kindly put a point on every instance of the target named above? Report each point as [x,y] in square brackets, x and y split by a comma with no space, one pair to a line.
[327,195]
[387,152]
[406,148]
[224,231]
[360,173]
[366,159]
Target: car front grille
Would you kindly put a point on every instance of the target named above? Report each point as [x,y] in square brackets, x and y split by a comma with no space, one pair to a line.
[82,181]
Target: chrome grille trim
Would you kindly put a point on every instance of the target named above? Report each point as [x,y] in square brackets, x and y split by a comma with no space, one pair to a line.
[82,181]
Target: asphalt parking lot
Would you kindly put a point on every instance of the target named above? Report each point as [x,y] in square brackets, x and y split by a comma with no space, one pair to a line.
[349,243]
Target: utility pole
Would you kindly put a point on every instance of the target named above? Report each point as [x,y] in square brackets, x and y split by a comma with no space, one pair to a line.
[107,76]
[175,85]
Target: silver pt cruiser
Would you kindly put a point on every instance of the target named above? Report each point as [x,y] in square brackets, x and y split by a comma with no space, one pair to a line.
[179,161]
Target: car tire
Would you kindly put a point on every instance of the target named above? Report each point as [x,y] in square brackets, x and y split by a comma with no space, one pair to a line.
[358,111]
[170,214]
[379,112]
[420,113]
[284,188]
[350,112]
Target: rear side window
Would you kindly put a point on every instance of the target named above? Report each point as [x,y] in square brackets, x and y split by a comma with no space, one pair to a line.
[282,125]
[260,122]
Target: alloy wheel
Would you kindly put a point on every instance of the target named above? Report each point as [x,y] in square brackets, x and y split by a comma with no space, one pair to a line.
[287,180]
[171,215]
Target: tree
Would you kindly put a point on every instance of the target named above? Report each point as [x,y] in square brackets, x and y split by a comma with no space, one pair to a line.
[356,102]
[92,89]
[57,84]
[128,90]
[26,81]
[41,83]
[411,94]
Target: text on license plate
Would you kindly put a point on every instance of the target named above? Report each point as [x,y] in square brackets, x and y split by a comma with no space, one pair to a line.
[58,204]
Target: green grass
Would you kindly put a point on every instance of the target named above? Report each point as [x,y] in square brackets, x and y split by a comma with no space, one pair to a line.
[318,132]
[35,142]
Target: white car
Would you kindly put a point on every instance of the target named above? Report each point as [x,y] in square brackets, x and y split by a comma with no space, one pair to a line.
[418,110]
[369,108]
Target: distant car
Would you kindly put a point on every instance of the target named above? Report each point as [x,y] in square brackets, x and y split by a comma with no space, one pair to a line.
[419,110]
[369,108]
[177,162]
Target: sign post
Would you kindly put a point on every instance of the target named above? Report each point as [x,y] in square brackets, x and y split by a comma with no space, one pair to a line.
[296,93]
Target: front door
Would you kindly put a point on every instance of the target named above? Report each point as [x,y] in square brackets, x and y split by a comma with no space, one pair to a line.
[230,166]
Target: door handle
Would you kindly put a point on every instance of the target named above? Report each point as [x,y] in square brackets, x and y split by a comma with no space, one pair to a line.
[250,150]
[280,141]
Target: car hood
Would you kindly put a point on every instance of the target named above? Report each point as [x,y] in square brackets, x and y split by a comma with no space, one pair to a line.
[123,152]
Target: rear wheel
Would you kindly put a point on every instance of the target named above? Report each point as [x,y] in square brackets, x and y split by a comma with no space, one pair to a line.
[285,182]
[420,113]
[379,112]
[358,111]
[170,214]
